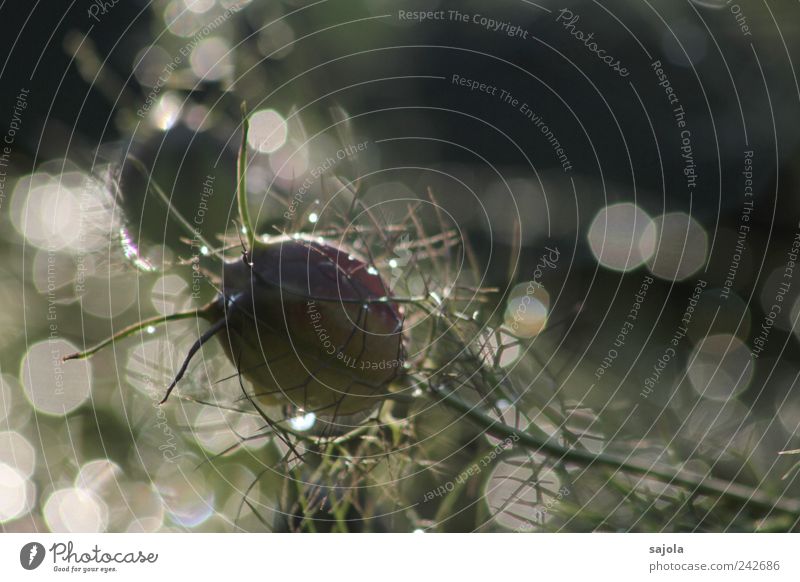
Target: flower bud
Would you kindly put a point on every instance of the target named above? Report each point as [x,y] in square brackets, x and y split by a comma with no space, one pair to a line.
[312,326]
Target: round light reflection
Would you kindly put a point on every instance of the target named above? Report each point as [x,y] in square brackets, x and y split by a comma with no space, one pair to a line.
[268,131]
[616,237]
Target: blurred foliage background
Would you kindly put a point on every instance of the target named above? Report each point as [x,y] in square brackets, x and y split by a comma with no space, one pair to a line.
[85,446]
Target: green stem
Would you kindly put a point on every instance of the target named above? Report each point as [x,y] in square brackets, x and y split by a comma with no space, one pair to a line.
[241,183]
[136,328]
[698,483]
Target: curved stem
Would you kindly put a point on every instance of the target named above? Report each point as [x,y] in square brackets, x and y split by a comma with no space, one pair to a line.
[207,335]
[136,328]
[698,483]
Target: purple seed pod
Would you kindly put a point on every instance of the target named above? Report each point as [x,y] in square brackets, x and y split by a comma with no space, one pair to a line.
[310,325]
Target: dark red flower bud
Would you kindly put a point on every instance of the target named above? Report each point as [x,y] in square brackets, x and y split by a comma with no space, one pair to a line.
[311,325]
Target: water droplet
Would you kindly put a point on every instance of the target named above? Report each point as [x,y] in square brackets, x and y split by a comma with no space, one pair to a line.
[304,422]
